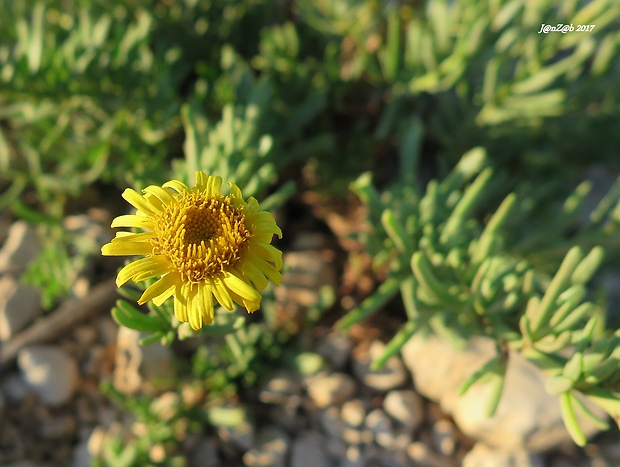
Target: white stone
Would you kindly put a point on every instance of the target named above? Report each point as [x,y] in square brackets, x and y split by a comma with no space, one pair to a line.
[390,376]
[335,348]
[15,388]
[330,389]
[49,371]
[309,451]
[442,434]
[271,448]
[19,305]
[280,388]
[20,248]
[405,406]
[331,423]
[380,426]
[135,363]
[484,456]
[353,412]
[421,454]
[527,416]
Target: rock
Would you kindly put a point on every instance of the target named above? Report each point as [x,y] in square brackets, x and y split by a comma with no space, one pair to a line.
[280,388]
[353,412]
[353,457]
[331,423]
[406,407]
[335,348]
[20,248]
[330,389]
[309,451]
[484,456]
[93,234]
[421,454]
[49,371]
[527,416]
[308,273]
[205,454]
[336,448]
[19,305]
[271,448]
[15,388]
[443,438]
[380,426]
[135,363]
[390,376]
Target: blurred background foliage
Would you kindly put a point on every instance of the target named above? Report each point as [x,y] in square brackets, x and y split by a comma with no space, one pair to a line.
[285,97]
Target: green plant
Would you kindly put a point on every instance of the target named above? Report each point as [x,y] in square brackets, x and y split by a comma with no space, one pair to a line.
[459,277]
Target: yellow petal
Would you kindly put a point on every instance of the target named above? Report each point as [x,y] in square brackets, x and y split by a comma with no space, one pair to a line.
[250,306]
[151,266]
[161,290]
[221,293]
[268,253]
[126,248]
[180,303]
[201,180]
[138,201]
[213,185]
[194,314]
[204,301]
[235,191]
[241,288]
[176,185]
[131,220]
[122,236]
[268,270]
[253,273]
[160,193]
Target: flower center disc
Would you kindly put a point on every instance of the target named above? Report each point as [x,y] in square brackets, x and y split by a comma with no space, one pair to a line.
[201,235]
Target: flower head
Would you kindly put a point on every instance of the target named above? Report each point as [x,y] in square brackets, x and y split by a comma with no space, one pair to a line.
[203,245]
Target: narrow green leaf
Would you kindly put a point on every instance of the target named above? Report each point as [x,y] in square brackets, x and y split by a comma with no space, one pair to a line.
[409,153]
[582,408]
[588,266]
[570,421]
[423,271]
[540,320]
[574,318]
[495,396]
[483,372]
[393,347]
[128,316]
[574,367]
[465,207]
[408,294]
[372,304]
[35,45]
[396,232]
[558,384]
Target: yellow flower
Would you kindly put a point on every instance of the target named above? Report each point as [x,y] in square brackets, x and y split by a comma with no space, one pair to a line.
[203,245]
